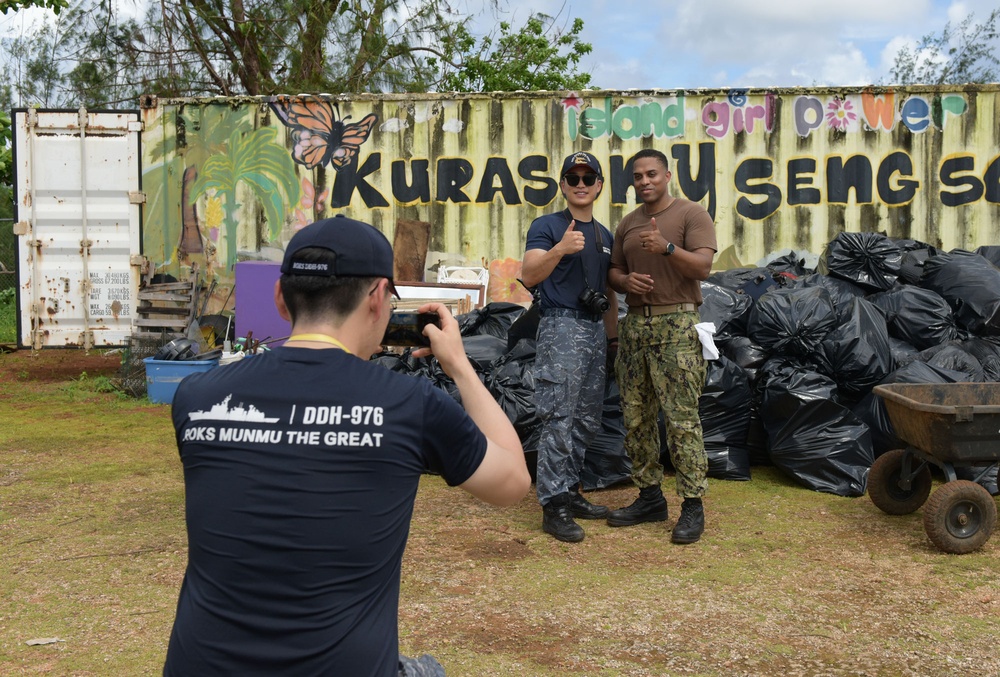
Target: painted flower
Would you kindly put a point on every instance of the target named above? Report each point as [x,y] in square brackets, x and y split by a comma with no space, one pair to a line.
[214,214]
[840,114]
[504,285]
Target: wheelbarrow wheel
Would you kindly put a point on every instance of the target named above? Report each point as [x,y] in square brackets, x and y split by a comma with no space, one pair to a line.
[960,517]
[884,489]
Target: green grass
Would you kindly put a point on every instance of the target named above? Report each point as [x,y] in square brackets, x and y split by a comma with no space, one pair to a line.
[785,581]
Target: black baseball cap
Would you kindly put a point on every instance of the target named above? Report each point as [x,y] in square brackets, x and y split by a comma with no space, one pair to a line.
[581,159]
[356,249]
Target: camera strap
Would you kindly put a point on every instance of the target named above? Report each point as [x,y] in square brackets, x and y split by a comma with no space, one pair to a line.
[598,242]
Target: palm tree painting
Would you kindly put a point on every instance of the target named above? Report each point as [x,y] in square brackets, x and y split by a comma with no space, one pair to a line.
[251,164]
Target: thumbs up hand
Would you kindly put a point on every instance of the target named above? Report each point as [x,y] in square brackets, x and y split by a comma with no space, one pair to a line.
[651,240]
[572,240]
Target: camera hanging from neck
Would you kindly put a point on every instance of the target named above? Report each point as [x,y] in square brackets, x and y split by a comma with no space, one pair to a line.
[593,300]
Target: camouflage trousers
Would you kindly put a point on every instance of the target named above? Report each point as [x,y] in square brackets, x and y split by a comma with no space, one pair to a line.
[569,398]
[660,367]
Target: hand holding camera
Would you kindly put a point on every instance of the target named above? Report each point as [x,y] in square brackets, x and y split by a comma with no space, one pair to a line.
[406,329]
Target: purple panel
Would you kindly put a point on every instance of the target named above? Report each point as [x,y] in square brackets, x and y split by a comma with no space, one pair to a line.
[255,309]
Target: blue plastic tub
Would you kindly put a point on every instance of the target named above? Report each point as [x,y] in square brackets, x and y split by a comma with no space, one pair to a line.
[163,376]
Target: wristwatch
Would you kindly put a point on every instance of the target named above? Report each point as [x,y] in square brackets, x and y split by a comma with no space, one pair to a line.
[670,249]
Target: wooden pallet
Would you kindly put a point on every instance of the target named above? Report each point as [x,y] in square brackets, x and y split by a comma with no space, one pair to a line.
[166,309]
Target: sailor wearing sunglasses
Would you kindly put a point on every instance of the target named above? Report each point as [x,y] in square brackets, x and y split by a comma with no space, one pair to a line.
[566,262]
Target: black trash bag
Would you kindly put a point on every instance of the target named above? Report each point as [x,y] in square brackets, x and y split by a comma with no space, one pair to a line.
[605,462]
[760,284]
[857,354]
[869,260]
[911,266]
[424,367]
[915,252]
[726,308]
[811,437]
[871,409]
[395,362]
[424,666]
[734,278]
[990,252]
[954,357]
[974,473]
[919,316]
[842,292]
[525,326]
[724,408]
[792,321]
[902,352]
[530,447]
[757,436]
[987,353]
[743,351]
[790,265]
[971,286]
[483,349]
[511,381]
[494,319]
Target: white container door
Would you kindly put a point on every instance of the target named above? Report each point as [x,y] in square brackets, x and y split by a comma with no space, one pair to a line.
[78,226]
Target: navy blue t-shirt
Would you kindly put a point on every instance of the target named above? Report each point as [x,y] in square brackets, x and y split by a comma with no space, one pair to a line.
[300,469]
[562,288]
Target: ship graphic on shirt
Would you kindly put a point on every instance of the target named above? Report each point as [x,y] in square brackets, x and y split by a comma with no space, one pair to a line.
[223,412]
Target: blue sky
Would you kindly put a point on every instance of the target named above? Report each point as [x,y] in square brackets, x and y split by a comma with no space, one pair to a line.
[674,44]
[687,44]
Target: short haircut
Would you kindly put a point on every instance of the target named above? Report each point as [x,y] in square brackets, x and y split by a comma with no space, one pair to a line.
[653,153]
[310,297]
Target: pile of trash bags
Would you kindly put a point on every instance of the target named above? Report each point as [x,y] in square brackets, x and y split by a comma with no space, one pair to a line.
[800,351]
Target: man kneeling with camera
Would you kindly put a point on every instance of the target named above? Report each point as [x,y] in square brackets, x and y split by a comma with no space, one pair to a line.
[566,260]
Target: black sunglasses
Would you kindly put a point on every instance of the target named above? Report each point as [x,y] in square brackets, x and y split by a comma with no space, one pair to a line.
[574,179]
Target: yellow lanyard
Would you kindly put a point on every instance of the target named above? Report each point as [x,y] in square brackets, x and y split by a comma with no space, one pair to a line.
[320,338]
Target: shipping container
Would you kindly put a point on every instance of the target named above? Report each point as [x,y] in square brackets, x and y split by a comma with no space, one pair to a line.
[231,179]
[77,189]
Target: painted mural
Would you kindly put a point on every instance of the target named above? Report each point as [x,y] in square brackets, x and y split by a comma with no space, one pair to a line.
[232,179]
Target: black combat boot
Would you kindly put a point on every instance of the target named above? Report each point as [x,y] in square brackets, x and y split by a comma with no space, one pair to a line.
[649,507]
[691,524]
[584,509]
[557,520]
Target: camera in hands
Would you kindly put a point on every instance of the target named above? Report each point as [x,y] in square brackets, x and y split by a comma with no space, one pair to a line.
[406,330]
[594,301]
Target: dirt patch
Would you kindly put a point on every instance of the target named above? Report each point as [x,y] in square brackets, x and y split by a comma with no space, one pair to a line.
[57,364]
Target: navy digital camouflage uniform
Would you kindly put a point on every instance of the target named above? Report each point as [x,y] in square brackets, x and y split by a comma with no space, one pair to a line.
[571,354]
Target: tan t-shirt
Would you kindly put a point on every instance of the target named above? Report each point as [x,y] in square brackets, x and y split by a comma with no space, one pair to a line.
[688,225]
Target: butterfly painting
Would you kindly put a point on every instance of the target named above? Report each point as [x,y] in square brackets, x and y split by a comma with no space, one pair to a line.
[320,136]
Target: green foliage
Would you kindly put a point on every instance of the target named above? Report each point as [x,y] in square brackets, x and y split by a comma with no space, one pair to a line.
[8,316]
[91,56]
[14,5]
[533,57]
[255,160]
[6,154]
[958,55]
[85,385]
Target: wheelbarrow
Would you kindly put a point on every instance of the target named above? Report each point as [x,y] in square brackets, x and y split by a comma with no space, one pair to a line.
[944,425]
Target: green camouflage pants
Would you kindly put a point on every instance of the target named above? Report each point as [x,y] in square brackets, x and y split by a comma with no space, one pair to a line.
[660,366]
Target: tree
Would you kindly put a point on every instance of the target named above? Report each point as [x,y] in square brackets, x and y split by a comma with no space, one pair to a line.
[14,5]
[534,57]
[958,55]
[266,47]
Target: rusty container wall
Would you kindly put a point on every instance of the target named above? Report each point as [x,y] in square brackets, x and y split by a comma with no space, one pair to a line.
[231,179]
[77,225]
